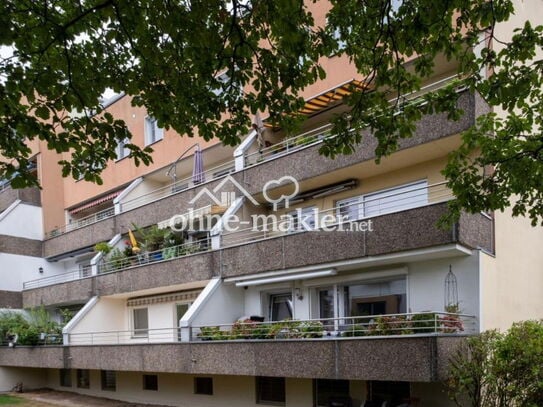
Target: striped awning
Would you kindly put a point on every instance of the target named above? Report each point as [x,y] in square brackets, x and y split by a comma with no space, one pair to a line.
[97,201]
[187,296]
[327,99]
[321,102]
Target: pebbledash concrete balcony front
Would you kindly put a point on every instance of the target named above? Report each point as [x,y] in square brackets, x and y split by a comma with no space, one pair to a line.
[302,164]
[9,195]
[401,358]
[403,231]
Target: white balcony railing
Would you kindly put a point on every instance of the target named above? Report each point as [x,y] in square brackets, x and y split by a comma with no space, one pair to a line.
[82,222]
[413,324]
[274,226]
[73,275]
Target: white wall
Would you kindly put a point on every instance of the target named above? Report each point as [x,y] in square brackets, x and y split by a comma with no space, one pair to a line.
[224,306]
[145,187]
[23,221]
[17,269]
[30,377]
[107,315]
[426,284]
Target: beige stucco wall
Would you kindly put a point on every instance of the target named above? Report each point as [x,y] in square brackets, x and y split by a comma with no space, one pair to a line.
[178,390]
[512,282]
[30,377]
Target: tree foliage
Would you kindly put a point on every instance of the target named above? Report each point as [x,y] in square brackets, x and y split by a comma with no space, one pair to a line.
[499,369]
[167,54]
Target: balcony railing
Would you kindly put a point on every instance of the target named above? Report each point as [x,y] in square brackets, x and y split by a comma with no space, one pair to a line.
[427,322]
[178,186]
[59,278]
[167,253]
[79,223]
[288,145]
[345,217]
[418,324]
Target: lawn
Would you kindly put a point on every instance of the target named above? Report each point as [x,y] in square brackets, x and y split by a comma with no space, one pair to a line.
[6,400]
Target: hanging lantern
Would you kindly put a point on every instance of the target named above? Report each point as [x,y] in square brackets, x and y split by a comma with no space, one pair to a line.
[451,292]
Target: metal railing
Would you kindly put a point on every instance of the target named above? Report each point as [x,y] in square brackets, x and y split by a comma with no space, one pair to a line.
[82,222]
[421,323]
[167,253]
[347,216]
[59,278]
[173,188]
[414,323]
[5,185]
[158,335]
[43,339]
[289,145]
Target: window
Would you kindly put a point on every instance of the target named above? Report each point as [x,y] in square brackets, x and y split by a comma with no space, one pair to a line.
[391,393]
[121,150]
[327,391]
[387,297]
[140,318]
[150,382]
[280,307]
[83,378]
[270,390]
[302,219]
[223,80]
[203,385]
[153,133]
[350,209]
[109,380]
[396,199]
[385,201]
[65,377]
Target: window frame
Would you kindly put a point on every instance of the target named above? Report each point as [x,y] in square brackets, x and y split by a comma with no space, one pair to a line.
[104,379]
[121,151]
[151,129]
[79,376]
[139,332]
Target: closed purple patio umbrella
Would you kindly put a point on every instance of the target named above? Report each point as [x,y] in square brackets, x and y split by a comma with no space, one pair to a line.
[198,175]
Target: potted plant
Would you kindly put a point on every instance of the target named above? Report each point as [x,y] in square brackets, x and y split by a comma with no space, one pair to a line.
[102,247]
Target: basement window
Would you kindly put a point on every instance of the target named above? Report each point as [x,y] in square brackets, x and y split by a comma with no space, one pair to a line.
[270,390]
[150,382]
[109,380]
[203,385]
[83,378]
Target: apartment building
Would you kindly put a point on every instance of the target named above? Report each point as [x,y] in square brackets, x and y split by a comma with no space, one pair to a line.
[264,274]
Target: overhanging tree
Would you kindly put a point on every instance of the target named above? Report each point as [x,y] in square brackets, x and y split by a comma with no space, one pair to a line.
[167,54]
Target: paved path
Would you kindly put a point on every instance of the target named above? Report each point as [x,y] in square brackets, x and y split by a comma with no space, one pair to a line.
[51,398]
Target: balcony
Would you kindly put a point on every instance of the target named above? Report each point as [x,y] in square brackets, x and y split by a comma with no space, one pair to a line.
[9,195]
[420,358]
[297,157]
[404,231]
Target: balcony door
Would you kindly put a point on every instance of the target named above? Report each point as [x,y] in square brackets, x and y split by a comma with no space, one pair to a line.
[280,307]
